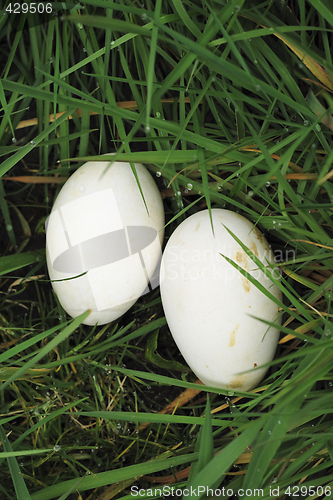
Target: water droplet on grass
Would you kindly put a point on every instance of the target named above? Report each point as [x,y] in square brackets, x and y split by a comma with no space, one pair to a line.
[32,143]
[158,174]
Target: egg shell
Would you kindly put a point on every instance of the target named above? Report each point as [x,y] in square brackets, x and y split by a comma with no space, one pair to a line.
[208,303]
[99,226]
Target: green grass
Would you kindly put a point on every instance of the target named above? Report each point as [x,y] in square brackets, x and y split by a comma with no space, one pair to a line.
[230,107]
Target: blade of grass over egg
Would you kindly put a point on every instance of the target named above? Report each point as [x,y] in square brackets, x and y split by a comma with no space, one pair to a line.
[268,273]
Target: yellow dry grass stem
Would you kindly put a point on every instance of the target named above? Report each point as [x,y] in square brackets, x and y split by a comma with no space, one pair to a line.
[130,105]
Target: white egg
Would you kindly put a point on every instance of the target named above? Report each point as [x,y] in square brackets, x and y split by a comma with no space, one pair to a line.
[208,303]
[99,228]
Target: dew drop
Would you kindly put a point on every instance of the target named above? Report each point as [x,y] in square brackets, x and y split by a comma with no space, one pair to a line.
[305,123]
[258,88]
[189,186]
[32,143]
[178,193]
[158,174]
[14,140]
[79,26]
[318,127]
[230,393]
[147,128]
[249,39]
[84,49]
[185,191]
[158,114]
[113,42]
[267,183]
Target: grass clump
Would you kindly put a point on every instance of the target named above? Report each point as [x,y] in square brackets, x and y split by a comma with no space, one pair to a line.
[229,104]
